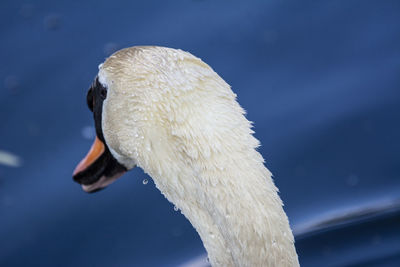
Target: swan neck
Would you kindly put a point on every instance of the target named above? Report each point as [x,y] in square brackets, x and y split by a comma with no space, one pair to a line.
[239,217]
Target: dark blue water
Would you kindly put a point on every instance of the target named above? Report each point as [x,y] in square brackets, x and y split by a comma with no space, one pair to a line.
[320,79]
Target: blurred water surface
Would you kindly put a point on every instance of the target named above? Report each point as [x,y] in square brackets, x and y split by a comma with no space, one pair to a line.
[319,79]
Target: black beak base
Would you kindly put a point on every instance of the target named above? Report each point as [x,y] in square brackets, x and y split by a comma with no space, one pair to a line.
[105,168]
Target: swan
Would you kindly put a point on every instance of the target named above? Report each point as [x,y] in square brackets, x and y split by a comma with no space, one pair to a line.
[167,112]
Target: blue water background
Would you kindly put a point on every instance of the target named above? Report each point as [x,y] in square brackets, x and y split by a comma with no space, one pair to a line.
[320,79]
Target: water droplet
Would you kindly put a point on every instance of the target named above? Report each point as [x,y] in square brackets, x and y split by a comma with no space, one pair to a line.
[136,135]
[212,235]
[273,242]
[284,234]
[176,208]
[145,181]
[221,168]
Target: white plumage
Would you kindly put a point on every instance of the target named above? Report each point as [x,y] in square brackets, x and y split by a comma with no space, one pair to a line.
[169,113]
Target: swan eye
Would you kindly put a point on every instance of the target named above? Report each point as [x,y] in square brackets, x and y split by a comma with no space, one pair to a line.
[103,92]
[90,99]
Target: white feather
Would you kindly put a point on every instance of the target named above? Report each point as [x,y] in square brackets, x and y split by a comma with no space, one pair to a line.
[172,115]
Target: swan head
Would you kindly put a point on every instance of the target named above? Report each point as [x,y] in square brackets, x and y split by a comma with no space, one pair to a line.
[169,113]
[99,168]
[147,103]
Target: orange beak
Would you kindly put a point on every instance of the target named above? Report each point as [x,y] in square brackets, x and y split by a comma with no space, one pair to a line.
[94,153]
[98,168]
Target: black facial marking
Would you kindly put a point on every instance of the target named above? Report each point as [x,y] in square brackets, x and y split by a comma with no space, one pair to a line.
[95,98]
[106,165]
